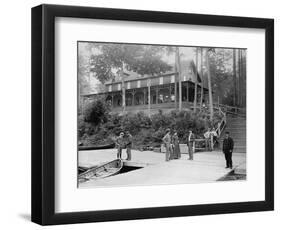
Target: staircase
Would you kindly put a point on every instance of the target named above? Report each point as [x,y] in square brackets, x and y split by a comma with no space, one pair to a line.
[236,126]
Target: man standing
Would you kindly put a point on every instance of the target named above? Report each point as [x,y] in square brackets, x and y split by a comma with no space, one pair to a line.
[167,142]
[190,144]
[129,142]
[227,149]
[120,144]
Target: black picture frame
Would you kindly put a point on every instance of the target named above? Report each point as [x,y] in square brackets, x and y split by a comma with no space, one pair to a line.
[43,114]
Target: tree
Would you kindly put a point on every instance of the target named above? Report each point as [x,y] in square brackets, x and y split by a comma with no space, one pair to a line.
[202,78]
[241,77]
[177,61]
[209,86]
[221,70]
[178,68]
[84,55]
[142,59]
[196,81]
[234,77]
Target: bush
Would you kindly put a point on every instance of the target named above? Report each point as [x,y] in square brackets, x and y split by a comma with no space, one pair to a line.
[145,131]
[96,112]
[135,122]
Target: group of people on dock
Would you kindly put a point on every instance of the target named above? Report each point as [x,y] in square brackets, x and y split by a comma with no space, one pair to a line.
[172,145]
[171,142]
[124,141]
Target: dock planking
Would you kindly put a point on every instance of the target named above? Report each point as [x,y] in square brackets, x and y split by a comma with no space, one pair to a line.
[154,170]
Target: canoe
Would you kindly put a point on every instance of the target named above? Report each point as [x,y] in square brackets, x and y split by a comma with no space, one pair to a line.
[105,170]
[108,146]
[82,169]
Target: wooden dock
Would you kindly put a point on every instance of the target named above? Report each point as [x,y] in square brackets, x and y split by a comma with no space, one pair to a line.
[154,170]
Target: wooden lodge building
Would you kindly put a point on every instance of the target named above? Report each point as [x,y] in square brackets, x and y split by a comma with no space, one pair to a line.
[151,93]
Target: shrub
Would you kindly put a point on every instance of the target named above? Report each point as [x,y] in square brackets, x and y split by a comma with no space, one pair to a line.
[160,120]
[146,131]
[96,112]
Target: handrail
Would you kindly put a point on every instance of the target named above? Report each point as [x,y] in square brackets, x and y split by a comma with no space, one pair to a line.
[229,106]
[232,109]
[219,129]
[221,124]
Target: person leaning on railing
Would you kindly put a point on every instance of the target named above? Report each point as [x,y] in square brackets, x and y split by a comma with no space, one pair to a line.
[213,138]
[207,139]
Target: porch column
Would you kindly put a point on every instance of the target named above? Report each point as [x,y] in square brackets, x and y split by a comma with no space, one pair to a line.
[157,91]
[170,93]
[82,100]
[148,89]
[187,93]
[175,91]
[121,74]
[123,96]
[133,98]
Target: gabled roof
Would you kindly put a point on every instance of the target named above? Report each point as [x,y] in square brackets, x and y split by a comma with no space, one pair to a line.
[187,67]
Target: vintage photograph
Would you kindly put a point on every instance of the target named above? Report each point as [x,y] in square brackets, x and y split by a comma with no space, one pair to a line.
[153,114]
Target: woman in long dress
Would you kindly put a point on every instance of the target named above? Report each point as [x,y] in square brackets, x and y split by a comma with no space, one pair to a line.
[176,146]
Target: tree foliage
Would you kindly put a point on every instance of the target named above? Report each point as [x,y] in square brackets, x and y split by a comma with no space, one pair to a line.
[223,75]
[143,59]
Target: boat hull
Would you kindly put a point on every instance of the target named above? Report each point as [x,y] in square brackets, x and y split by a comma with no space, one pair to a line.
[109,146]
[105,170]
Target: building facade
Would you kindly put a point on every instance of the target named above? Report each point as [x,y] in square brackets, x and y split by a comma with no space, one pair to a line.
[151,93]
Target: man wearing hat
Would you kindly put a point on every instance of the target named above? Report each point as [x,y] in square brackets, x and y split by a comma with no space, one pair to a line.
[120,144]
[190,144]
[129,141]
[227,148]
[167,142]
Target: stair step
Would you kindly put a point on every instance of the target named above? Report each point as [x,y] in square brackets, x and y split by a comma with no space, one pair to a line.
[236,129]
[240,150]
[236,126]
[234,135]
[236,119]
[237,134]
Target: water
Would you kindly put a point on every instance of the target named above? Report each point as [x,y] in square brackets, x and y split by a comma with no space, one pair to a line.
[233,176]
[126,169]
